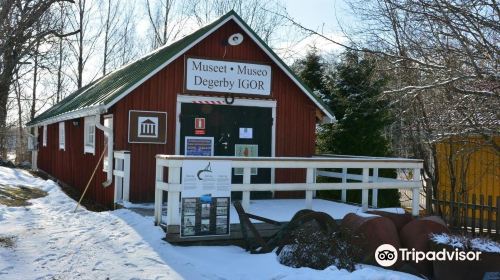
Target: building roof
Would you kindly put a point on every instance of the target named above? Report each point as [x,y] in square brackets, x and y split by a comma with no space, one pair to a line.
[98,96]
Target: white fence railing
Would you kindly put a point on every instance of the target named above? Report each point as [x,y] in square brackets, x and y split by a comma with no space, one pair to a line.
[313,167]
[122,175]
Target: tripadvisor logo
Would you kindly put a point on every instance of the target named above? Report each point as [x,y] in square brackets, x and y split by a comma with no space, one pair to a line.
[386,255]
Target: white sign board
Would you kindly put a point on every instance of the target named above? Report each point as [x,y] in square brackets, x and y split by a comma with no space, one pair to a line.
[206,198]
[227,76]
[200,177]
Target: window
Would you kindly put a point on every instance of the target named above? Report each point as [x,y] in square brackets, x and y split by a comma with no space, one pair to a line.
[89,134]
[44,136]
[62,137]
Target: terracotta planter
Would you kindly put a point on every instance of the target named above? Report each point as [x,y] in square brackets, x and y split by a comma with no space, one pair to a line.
[464,270]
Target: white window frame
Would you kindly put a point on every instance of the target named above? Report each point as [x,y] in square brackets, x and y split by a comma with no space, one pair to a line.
[89,130]
[44,136]
[62,136]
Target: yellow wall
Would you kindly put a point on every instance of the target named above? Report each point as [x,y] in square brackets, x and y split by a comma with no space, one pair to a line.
[479,159]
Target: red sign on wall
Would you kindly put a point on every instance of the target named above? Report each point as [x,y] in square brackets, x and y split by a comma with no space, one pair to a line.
[199,132]
[199,123]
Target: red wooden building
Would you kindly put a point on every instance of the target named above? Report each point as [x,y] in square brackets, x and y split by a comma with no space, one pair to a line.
[218,91]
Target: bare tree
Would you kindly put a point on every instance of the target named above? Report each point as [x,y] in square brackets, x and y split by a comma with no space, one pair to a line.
[262,16]
[82,17]
[118,46]
[443,57]
[167,19]
[18,37]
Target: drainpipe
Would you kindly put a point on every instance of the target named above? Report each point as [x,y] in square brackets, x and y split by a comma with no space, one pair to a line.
[109,133]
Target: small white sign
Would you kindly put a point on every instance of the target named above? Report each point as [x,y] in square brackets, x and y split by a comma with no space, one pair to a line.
[227,76]
[246,133]
[201,177]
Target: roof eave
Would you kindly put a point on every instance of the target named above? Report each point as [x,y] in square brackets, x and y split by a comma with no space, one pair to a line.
[84,112]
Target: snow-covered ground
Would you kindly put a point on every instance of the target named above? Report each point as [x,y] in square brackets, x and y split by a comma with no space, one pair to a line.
[52,242]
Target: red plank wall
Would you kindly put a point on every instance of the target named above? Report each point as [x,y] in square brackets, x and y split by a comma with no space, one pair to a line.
[295,124]
[71,165]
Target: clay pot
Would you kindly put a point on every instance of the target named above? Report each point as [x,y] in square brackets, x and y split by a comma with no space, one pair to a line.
[399,220]
[369,233]
[415,235]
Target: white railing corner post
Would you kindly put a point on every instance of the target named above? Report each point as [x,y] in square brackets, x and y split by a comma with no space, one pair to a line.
[118,182]
[126,176]
[309,192]
[364,192]
[158,193]
[415,206]
[245,199]
[344,182]
[375,191]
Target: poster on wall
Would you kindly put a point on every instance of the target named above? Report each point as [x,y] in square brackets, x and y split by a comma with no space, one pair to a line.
[246,150]
[205,198]
[147,127]
[199,146]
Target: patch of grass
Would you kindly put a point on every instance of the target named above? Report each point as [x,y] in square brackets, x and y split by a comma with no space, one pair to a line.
[7,241]
[18,196]
[74,193]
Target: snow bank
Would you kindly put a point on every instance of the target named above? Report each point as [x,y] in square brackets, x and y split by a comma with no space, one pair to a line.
[53,242]
[461,242]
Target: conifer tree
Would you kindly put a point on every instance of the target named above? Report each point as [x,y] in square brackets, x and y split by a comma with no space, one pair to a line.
[311,70]
[361,115]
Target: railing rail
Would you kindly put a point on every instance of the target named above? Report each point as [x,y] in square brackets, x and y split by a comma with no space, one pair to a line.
[312,166]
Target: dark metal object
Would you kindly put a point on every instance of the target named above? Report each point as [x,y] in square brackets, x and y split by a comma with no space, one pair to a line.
[325,222]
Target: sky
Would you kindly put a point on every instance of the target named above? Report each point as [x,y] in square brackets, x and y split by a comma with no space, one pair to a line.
[324,16]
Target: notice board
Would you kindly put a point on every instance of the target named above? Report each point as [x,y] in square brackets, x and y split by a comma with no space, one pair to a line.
[205,198]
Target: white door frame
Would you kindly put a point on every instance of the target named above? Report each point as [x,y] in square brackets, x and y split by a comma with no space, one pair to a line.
[214,100]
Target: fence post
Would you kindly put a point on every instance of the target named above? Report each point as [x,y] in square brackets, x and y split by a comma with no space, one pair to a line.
[490,214]
[344,181]
[118,194]
[246,194]
[452,210]
[309,193]
[428,197]
[126,176]
[158,193]
[364,191]
[498,217]
[473,208]
[375,191]
[481,213]
[466,215]
[415,207]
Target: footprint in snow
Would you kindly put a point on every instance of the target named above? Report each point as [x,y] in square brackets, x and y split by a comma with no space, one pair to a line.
[153,260]
[98,266]
[130,264]
[6,269]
